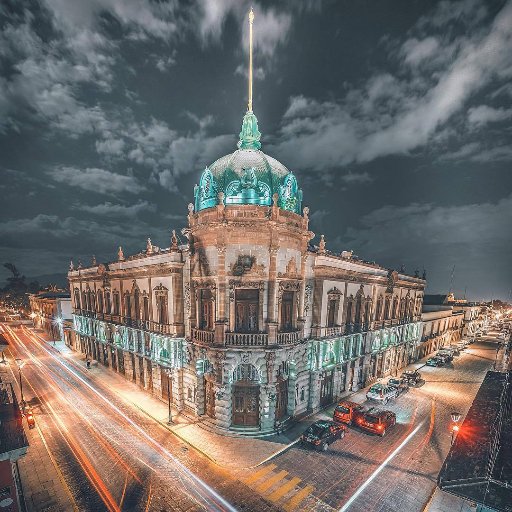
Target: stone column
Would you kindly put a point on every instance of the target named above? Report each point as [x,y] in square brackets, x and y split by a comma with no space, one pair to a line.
[178,306]
[221,315]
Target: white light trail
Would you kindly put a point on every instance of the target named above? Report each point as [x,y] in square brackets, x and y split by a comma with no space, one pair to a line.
[379,469]
[221,504]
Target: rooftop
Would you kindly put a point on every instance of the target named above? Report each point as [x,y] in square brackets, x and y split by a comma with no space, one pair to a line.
[479,464]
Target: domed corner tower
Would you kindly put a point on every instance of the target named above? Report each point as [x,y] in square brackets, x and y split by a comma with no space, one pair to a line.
[248,263]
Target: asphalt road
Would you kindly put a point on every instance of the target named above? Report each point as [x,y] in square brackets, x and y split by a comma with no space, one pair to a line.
[112,456]
[367,473]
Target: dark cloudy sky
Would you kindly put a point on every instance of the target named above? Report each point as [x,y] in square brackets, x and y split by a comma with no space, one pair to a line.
[395,115]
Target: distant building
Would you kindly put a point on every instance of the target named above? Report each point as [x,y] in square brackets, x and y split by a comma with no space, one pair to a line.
[51,311]
[475,314]
[13,445]
[441,326]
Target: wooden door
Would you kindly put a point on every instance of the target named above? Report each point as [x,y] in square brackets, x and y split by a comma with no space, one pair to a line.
[281,398]
[209,398]
[246,310]
[326,389]
[246,405]
[287,311]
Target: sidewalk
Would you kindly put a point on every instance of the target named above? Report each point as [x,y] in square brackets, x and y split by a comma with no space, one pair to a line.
[43,486]
[228,450]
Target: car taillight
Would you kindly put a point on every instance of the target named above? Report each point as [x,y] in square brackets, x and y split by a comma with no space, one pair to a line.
[379,427]
[317,442]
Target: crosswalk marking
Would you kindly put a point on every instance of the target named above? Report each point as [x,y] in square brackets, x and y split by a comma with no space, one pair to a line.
[267,484]
[297,498]
[262,472]
[283,489]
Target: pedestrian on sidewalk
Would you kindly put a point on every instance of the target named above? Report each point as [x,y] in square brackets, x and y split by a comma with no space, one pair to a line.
[88,363]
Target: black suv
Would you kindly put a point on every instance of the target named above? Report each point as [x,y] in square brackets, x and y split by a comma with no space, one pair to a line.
[412,377]
[401,385]
[322,433]
[377,421]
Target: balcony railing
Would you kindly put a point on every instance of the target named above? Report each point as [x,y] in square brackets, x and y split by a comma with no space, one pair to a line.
[203,336]
[285,338]
[249,339]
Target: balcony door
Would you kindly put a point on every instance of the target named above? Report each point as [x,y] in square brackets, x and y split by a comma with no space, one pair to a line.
[206,310]
[246,310]
[287,311]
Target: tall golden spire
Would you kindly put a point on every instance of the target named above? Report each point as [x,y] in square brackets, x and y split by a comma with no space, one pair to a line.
[251,20]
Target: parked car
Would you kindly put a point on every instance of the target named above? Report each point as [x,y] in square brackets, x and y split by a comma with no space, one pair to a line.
[347,412]
[478,334]
[461,346]
[382,393]
[31,422]
[323,433]
[377,421]
[446,355]
[413,377]
[401,385]
[435,361]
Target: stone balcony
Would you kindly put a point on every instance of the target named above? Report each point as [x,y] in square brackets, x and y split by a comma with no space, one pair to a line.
[247,339]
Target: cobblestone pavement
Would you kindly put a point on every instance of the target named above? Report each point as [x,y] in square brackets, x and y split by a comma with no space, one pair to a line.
[363,472]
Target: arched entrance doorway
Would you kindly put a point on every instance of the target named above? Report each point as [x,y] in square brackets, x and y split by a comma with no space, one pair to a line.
[246,393]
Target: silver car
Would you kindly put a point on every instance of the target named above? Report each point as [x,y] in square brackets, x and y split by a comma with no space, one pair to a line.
[382,393]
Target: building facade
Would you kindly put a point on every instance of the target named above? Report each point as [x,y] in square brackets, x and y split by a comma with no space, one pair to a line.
[441,326]
[51,311]
[247,324]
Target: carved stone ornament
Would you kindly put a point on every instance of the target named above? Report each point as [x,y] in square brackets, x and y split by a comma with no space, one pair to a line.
[202,265]
[120,254]
[308,290]
[234,284]
[287,286]
[188,304]
[270,359]
[246,265]
[321,245]
[292,272]
[392,280]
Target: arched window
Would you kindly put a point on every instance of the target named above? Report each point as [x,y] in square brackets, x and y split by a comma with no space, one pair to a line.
[378,311]
[333,304]
[92,301]
[246,372]
[359,310]
[395,308]
[387,308]
[77,299]
[116,305]
[99,301]
[145,308]
[401,314]
[85,305]
[136,304]
[108,306]
[127,305]
[350,310]
[161,299]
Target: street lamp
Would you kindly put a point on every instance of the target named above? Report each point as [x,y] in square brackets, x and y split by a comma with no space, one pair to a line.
[20,365]
[455,424]
[169,372]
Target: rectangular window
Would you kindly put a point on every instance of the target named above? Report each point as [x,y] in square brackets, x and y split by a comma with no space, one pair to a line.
[246,310]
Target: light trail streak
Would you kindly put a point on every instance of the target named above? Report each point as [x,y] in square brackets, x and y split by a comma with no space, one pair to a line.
[76,450]
[202,489]
[379,469]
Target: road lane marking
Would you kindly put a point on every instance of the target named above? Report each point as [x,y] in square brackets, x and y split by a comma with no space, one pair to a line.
[297,498]
[267,484]
[260,473]
[379,469]
[284,489]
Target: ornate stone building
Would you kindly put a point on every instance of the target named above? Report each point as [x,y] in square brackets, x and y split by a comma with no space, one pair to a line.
[247,324]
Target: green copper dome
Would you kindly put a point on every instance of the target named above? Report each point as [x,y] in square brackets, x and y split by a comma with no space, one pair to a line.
[248,176]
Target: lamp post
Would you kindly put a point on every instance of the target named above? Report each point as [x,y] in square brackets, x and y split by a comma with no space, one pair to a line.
[20,365]
[455,424]
[169,372]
